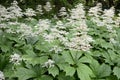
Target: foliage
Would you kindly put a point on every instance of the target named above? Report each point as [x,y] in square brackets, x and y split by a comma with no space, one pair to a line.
[81,46]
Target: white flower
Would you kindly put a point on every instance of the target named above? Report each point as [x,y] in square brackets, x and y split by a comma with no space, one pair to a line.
[30,12]
[63,11]
[109,13]
[112,40]
[39,9]
[25,30]
[95,11]
[56,49]
[2,76]
[48,7]
[49,64]
[78,12]
[15,59]
[14,10]
[3,13]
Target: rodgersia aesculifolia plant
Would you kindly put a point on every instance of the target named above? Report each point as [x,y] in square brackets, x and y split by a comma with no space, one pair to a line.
[82,45]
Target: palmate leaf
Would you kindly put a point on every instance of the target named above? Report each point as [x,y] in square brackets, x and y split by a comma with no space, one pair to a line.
[45,77]
[75,55]
[53,70]
[84,72]
[31,40]
[104,71]
[24,74]
[62,76]
[112,77]
[67,69]
[68,58]
[31,59]
[116,72]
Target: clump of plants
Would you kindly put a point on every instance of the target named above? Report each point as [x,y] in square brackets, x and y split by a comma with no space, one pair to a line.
[83,45]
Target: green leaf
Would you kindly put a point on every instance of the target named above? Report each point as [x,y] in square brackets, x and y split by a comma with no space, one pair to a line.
[62,66]
[31,40]
[95,66]
[86,59]
[104,71]
[43,46]
[31,59]
[45,77]
[5,48]
[68,57]
[62,76]
[113,56]
[112,77]
[84,72]
[58,58]
[24,74]
[9,73]
[69,71]
[116,72]
[53,70]
[75,55]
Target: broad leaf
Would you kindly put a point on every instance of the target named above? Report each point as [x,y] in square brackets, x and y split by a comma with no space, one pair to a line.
[68,57]
[53,70]
[104,71]
[62,76]
[84,72]
[69,71]
[116,72]
[24,74]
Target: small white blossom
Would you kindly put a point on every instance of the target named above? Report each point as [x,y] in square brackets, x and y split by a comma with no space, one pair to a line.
[2,77]
[25,30]
[112,40]
[15,59]
[14,10]
[56,49]
[3,13]
[50,63]
[95,11]
[63,11]
[78,12]
[109,13]
[48,37]
[48,6]
[39,9]
[30,12]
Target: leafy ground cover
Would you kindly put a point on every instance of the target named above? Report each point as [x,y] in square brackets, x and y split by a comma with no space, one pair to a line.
[83,45]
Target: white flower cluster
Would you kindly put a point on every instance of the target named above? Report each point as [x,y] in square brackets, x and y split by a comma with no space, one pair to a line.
[2,76]
[57,49]
[63,12]
[117,21]
[30,12]
[39,9]
[56,32]
[42,26]
[95,11]
[78,12]
[79,39]
[15,59]
[14,11]
[25,30]
[48,7]
[3,13]
[105,18]
[50,63]
[78,30]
